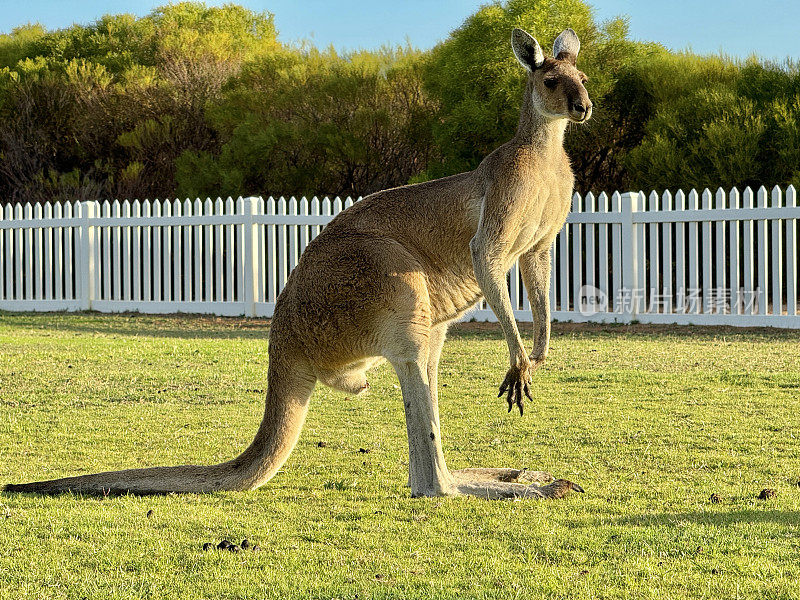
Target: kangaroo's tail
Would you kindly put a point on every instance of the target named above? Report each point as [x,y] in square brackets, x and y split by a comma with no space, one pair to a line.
[289,387]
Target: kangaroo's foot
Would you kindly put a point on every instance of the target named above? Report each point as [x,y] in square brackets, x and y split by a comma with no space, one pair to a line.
[496,484]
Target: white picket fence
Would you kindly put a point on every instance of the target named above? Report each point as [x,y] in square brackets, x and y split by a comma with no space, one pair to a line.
[721,258]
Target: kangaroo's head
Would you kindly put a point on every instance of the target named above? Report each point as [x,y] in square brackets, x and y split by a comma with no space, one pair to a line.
[557,85]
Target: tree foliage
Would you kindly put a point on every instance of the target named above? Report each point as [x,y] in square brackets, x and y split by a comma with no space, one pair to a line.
[106,109]
[715,122]
[317,123]
[198,100]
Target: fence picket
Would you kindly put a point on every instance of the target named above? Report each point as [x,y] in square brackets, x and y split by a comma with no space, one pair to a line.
[105,272]
[239,266]
[48,253]
[58,253]
[733,244]
[719,297]
[763,281]
[17,244]
[127,254]
[706,256]
[230,262]
[693,289]
[614,297]
[136,254]
[294,254]
[315,211]
[272,254]
[72,249]
[680,256]
[219,250]
[196,281]
[590,206]
[282,249]
[167,252]
[209,252]
[654,281]
[577,254]
[116,260]
[158,273]
[748,257]
[667,268]
[261,248]
[304,212]
[4,258]
[640,230]
[602,250]
[563,267]
[176,233]
[70,238]
[791,255]
[777,255]
[36,254]
[28,249]
[148,278]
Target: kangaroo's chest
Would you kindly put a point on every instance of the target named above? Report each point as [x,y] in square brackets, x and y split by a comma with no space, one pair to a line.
[545,213]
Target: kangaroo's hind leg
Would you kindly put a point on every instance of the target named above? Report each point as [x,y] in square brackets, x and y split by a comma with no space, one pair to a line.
[437,337]
[436,342]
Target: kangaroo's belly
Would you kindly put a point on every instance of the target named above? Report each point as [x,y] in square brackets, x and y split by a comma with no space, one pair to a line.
[452,293]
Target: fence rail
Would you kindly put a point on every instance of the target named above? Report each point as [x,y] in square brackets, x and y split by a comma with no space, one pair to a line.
[706,258]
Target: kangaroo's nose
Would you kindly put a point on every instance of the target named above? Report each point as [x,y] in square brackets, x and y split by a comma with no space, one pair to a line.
[581,110]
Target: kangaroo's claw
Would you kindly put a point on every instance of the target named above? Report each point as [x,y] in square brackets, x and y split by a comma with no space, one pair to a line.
[514,386]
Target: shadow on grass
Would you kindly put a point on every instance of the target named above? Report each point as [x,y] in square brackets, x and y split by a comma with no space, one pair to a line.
[717,517]
[194,326]
[486,330]
[178,326]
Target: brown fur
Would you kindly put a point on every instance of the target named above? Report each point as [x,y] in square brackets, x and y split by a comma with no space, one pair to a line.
[386,277]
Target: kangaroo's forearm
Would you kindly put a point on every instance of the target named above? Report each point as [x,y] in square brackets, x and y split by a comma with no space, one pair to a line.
[535,268]
[540,306]
[492,282]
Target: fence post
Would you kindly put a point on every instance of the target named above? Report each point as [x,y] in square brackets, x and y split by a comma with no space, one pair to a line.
[252,269]
[630,254]
[87,254]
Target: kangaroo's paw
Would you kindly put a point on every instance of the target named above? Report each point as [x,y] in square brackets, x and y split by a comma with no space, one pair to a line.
[507,475]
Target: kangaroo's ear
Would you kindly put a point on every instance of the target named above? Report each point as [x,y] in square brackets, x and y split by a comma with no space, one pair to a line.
[527,49]
[567,46]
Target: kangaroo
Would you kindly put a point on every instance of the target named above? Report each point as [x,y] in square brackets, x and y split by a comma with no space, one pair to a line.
[385,279]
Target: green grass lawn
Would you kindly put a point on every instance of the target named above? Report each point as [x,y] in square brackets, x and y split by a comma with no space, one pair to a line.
[649,421]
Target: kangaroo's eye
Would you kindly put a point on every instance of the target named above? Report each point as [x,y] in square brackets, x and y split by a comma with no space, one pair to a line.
[551,83]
